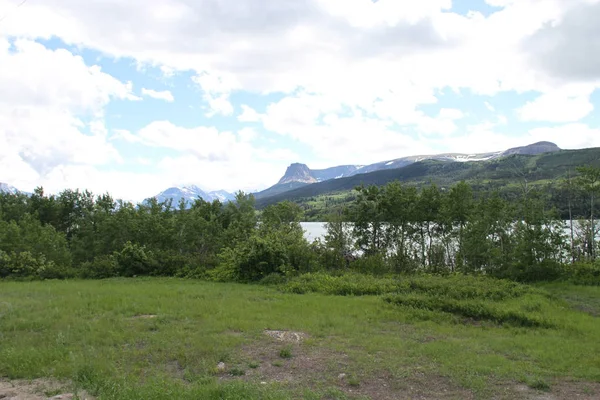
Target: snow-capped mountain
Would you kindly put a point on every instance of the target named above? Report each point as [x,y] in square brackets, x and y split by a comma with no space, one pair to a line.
[191,193]
[222,196]
[6,188]
[298,175]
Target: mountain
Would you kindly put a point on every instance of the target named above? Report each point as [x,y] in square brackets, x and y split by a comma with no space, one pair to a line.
[496,173]
[221,195]
[301,173]
[404,161]
[191,193]
[6,188]
[533,149]
[298,175]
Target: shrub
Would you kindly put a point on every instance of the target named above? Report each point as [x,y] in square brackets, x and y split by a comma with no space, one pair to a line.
[27,265]
[372,264]
[351,284]
[286,352]
[100,268]
[170,263]
[134,260]
[476,310]
[583,274]
[273,280]
[458,287]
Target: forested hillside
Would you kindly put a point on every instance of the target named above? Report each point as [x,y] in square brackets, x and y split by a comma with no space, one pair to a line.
[506,175]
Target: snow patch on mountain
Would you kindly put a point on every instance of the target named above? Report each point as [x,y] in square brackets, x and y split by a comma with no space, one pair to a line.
[191,193]
[6,188]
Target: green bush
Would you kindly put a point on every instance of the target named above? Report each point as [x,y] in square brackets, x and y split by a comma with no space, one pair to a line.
[350,284]
[171,262]
[134,260]
[375,264]
[27,265]
[460,287]
[100,268]
[583,274]
[273,280]
[477,310]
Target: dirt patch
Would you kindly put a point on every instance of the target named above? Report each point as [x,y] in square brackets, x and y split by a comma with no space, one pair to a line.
[417,386]
[564,390]
[286,336]
[590,310]
[144,316]
[305,366]
[37,389]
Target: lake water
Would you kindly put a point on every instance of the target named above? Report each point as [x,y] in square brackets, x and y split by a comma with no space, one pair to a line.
[313,230]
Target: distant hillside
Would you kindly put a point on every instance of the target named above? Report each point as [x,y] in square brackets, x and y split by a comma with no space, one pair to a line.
[191,193]
[299,175]
[496,173]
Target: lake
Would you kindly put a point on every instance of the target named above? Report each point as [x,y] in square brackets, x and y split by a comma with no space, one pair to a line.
[313,230]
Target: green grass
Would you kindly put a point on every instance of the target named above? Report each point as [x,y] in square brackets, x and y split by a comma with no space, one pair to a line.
[163,338]
[286,352]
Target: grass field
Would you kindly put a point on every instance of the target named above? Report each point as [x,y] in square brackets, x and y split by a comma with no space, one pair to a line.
[183,339]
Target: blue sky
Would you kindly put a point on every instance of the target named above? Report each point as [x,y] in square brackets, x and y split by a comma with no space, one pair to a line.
[136,97]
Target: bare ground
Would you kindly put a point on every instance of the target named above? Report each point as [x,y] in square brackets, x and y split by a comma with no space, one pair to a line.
[317,368]
[38,389]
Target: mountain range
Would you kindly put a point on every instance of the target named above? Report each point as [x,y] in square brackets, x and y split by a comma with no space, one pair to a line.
[191,193]
[6,188]
[298,176]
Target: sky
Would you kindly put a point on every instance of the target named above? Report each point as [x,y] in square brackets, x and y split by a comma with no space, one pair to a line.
[132,97]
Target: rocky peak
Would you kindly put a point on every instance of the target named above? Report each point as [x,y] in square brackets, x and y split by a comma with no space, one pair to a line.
[534,149]
[298,173]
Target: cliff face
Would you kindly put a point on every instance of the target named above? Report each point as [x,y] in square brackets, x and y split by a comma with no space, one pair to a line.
[297,173]
[533,149]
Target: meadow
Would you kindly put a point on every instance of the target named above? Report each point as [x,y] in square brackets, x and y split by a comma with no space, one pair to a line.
[314,337]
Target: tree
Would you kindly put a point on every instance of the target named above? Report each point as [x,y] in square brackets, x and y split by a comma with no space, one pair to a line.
[427,218]
[456,209]
[398,205]
[368,218]
[338,239]
[589,180]
[568,185]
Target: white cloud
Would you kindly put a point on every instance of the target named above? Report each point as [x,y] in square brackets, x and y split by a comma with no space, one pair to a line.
[351,76]
[247,134]
[248,114]
[568,136]
[564,105]
[124,134]
[165,95]
[217,88]
[52,116]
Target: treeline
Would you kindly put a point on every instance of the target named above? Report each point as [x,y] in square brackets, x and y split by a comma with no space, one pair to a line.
[389,229]
[78,234]
[404,230]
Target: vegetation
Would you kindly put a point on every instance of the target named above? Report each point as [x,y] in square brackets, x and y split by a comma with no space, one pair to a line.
[428,288]
[395,228]
[504,175]
[154,338]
